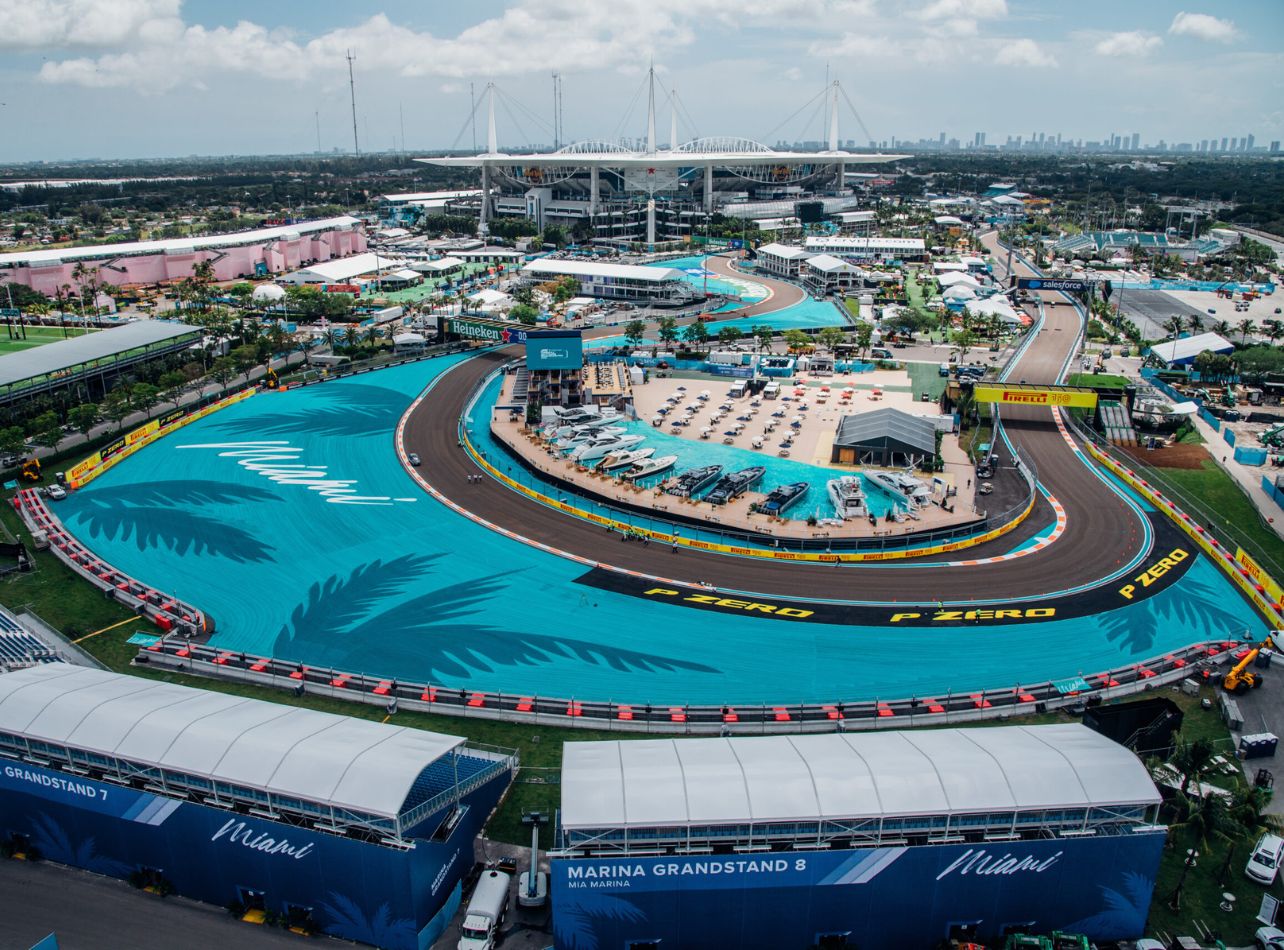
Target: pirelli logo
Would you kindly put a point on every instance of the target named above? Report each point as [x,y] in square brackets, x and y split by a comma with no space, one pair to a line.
[1035,395]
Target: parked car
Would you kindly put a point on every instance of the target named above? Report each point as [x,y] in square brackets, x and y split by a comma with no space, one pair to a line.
[1269,938]
[1264,863]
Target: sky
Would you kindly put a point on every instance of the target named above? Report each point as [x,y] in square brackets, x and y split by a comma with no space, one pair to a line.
[160,78]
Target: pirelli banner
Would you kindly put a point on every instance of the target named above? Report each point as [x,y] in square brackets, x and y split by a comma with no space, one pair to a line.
[1024,395]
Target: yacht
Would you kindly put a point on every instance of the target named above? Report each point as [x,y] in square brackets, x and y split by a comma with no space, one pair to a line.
[598,447]
[692,480]
[782,497]
[847,497]
[903,486]
[572,439]
[651,466]
[624,459]
[732,486]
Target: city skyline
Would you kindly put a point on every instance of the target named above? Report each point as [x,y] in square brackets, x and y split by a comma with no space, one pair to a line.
[154,78]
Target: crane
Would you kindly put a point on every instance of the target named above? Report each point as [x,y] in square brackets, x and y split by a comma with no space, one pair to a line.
[1240,679]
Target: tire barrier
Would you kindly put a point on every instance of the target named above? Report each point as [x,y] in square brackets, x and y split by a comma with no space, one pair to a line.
[1255,585]
[169,614]
[1197,660]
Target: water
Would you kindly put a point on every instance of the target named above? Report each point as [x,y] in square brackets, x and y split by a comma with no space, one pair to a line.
[704,279]
[384,580]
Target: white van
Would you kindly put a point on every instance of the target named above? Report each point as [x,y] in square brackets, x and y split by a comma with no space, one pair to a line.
[486,910]
[1264,862]
[771,391]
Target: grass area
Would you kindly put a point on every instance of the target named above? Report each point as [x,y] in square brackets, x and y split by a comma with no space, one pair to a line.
[926,378]
[853,307]
[13,341]
[1218,492]
[1092,380]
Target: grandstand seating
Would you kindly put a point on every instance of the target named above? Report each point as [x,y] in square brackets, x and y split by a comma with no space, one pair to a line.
[522,384]
[1117,422]
[18,648]
[443,775]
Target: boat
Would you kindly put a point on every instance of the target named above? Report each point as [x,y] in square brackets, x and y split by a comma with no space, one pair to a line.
[906,487]
[597,448]
[579,438]
[782,497]
[624,459]
[730,487]
[565,432]
[692,480]
[847,497]
[651,466]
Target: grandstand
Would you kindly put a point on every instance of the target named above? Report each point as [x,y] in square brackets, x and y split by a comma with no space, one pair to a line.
[94,360]
[18,648]
[223,775]
[1122,241]
[789,837]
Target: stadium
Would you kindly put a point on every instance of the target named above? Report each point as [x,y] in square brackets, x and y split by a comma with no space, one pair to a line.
[650,194]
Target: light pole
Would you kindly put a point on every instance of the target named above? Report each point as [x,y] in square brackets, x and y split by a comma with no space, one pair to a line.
[532,884]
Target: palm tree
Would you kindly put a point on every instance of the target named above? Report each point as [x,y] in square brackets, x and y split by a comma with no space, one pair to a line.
[1245,327]
[1206,819]
[1222,328]
[1193,760]
[1274,329]
[1195,322]
[1174,326]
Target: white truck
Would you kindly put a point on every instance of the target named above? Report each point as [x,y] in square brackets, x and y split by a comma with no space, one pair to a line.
[486,910]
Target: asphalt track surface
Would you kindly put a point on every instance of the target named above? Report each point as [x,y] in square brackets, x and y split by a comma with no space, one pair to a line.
[1102,532]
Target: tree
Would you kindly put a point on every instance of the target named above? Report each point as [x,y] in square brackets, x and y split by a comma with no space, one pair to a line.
[667,330]
[1206,818]
[1274,329]
[1173,326]
[13,441]
[116,405]
[864,338]
[83,417]
[1194,322]
[524,295]
[1193,760]
[830,337]
[728,335]
[48,430]
[1214,367]
[964,340]
[172,385]
[567,287]
[696,333]
[633,331]
[245,358]
[797,340]
[223,371]
[1245,327]
[143,396]
[764,335]
[1221,328]
[524,314]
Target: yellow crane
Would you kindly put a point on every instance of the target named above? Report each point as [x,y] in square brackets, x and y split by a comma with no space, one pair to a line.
[1240,679]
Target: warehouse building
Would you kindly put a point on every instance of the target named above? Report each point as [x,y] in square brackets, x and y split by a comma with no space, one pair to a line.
[879,839]
[341,826]
[1182,353]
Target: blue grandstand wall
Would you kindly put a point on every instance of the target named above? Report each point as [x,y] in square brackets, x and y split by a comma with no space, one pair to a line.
[1100,886]
[354,889]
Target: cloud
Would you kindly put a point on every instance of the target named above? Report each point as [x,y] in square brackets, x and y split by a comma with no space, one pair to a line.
[793,74]
[1023,52]
[967,9]
[1203,27]
[1131,43]
[59,24]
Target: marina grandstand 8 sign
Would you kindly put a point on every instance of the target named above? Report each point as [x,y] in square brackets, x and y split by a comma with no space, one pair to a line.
[1021,395]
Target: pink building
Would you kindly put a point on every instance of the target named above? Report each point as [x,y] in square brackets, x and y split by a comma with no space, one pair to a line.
[258,253]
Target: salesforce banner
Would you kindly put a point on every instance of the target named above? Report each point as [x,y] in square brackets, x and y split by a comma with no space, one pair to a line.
[354,890]
[880,897]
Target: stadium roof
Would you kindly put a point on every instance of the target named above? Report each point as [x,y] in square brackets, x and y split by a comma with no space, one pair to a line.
[836,776]
[139,248]
[1186,349]
[349,763]
[687,156]
[595,269]
[68,354]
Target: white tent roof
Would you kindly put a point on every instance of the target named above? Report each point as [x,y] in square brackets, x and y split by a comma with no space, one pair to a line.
[786,251]
[959,292]
[1175,351]
[590,269]
[406,274]
[955,277]
[998,306]
[674,782]
[343,269]
[489,296]
[351,763]
[940,266]
[442,264]
[831,265]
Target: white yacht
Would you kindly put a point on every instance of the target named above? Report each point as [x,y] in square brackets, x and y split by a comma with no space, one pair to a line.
[603,445]
[847,497]
[651,466]
[624,459]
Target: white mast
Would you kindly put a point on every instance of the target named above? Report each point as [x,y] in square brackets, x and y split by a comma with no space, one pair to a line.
[492,140]
[673,121]
[650,112]
[833,121]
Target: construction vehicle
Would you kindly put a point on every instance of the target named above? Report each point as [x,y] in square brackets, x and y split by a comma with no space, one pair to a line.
[1240,679]
[1274,436]
[30,471]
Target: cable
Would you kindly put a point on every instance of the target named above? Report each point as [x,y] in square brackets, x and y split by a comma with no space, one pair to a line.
[766,139]
[859,121]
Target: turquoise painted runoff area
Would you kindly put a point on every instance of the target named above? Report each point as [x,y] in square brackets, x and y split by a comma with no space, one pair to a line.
[698,275]
[290,519]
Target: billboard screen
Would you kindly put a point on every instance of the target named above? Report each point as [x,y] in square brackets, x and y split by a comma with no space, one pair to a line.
[879,897]
[1054,283]
[1034,396]
[554,349]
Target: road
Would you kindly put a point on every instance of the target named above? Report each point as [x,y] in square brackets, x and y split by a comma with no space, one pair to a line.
[1097,520]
